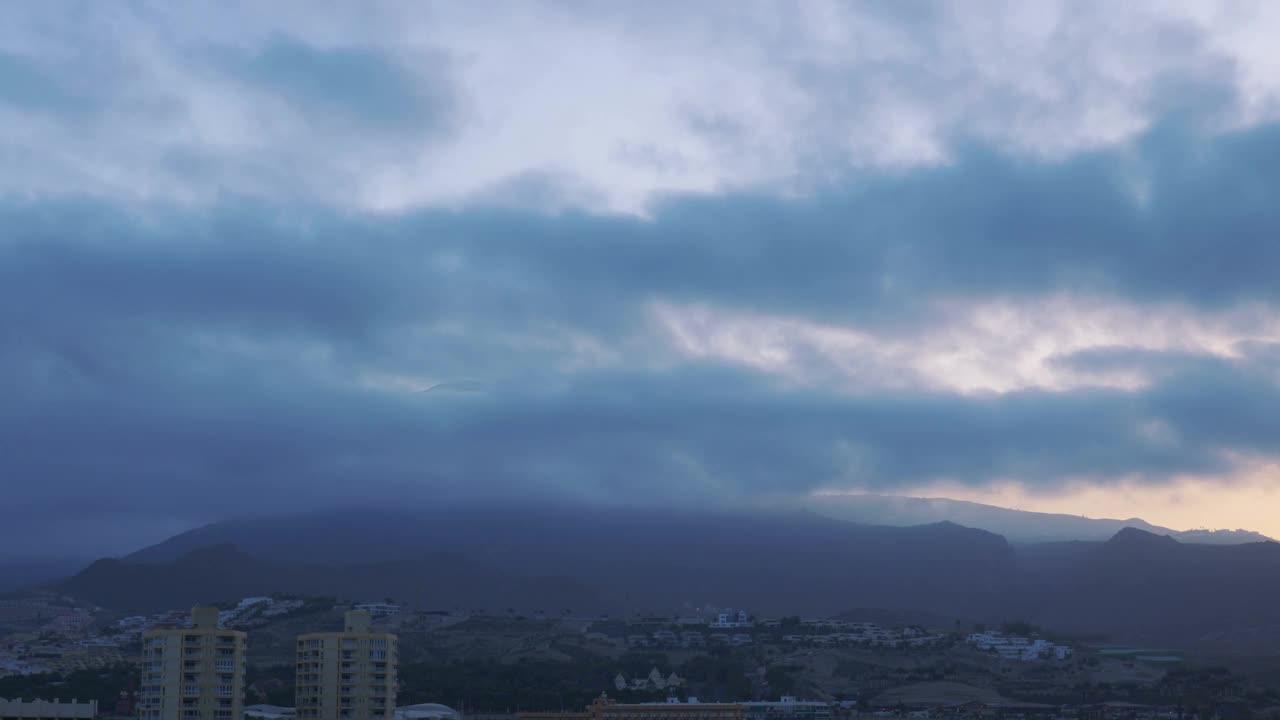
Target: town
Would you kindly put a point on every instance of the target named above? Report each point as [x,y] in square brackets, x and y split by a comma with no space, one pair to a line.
[384,660]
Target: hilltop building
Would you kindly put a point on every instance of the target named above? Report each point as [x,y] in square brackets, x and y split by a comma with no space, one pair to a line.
[348,675]
[1013,647]
[194,673]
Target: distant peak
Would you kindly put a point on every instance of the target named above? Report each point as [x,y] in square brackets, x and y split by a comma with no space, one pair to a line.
[1134,537]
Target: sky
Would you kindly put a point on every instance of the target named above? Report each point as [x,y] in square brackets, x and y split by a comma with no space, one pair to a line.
[268,257]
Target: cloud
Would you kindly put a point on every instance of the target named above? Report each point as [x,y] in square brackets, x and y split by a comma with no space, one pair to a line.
[356,82]
[27,86]
[963,324]
[398,105]
[718,252]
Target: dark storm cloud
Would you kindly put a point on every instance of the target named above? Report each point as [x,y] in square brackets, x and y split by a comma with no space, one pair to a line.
[178,362]
[1176,219]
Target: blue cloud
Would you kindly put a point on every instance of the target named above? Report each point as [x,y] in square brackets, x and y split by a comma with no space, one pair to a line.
[29,86]
[178,359]
[350,82]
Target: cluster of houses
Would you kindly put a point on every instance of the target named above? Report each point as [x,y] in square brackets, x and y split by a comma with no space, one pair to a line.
[861,633]
[807,633]
[1015,647]
[51,633]
[653,681]
[253,611]
[688,639]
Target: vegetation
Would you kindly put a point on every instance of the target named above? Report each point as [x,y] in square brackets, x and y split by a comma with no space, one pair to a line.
[103,685]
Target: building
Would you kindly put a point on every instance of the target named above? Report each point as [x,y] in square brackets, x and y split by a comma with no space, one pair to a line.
[379,609]
[269,712]
[665,637]
[732,620]
[427,711]
[789,708]
[194,673]
[48,709]
[348,675]
[606,708]
[1011,647]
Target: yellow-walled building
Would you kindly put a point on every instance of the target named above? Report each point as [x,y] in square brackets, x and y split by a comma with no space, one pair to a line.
[194,673]
[348,675]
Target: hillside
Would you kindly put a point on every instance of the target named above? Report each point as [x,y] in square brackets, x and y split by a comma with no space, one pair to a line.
[607,560]
[1154,586]
[1137,585]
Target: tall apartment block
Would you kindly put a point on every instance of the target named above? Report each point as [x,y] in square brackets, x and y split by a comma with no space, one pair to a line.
[348,675]
[194,673]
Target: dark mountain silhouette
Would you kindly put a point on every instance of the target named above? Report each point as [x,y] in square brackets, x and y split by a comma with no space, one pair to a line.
[1137,585]
[210,573]
[1018,526]
[607,560]
[1143,585]
[225,572]
[16,574]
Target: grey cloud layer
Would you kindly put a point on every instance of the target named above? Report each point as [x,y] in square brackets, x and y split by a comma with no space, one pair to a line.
[397,105]
[175,362]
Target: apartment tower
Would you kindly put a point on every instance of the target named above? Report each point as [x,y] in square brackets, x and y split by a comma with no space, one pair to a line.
[348,675]
[194,673]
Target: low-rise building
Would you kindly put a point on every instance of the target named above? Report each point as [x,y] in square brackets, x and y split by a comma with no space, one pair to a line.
[788,708]
[269,712]
[48,709]
[692,639]
[665,637]
[379,609]
[606,708]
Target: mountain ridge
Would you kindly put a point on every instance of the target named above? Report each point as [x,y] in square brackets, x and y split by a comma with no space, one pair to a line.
[1137,585]
[1017,526]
